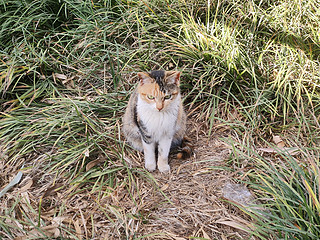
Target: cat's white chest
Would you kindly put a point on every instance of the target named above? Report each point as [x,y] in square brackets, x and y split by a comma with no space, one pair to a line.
[158,123]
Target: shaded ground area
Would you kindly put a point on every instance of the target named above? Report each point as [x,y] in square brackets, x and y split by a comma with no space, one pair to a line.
[185,203]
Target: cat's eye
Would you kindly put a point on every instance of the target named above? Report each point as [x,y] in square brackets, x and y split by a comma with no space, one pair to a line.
[167,97]
[150,97]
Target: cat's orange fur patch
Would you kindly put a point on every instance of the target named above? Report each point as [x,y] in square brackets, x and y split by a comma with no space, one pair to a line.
[150,89]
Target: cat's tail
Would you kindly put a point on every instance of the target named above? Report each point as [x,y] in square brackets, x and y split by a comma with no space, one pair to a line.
[186,149]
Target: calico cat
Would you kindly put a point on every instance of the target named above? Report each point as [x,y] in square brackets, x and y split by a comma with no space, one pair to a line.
[155,121]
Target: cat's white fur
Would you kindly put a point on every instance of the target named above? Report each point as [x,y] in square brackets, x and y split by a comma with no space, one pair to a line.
[162,127]
[162,122]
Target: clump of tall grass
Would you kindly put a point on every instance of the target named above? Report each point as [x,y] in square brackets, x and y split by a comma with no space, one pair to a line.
[80,40]
[290,192]
[233,48]
[67,131]
[284,178]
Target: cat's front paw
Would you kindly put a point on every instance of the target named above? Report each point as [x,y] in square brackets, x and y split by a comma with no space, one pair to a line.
[150,166]
[164,168]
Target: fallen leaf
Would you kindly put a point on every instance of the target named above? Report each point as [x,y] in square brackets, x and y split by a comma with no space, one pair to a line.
[26,186]
[20,238]
[86,153]
[92,164]
[53,230]
[60,76]
[58,220]
[290,150]
[268,150]
[50,231]
[278,141]
[78,229]
[234,225]
[164,187]
[11,184]
[52,190]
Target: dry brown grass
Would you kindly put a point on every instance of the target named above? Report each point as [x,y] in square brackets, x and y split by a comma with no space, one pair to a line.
[185,203]
[197,208]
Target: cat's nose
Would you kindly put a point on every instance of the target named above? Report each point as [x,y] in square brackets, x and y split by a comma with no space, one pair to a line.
[159,108]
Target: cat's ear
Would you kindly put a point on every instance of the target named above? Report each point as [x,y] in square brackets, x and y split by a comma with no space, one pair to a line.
[173,77]
[144,78]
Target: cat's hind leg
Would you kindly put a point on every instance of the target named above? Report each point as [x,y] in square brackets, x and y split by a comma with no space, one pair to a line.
[132,135]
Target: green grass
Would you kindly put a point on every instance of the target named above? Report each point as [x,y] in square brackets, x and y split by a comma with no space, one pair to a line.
[67,68]
[288,190]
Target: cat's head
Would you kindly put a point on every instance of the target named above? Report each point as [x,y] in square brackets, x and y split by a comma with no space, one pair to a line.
[159,88]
